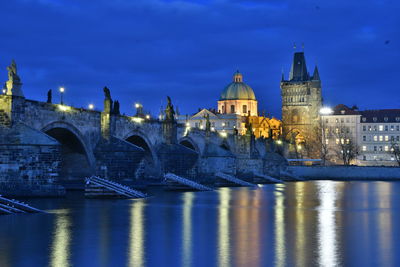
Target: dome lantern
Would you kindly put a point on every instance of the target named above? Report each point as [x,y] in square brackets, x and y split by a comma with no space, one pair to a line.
[237,77]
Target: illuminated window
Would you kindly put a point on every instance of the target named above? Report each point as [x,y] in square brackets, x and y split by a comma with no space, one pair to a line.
[381,138]
[380,127]
[364,148]
[375,138]
[342,141]
[327,141]
[386,138]
[245,109]
[347,141]
[337,120]
[386,148]
[392,127]
[337,141]
[337,130]
[369,128]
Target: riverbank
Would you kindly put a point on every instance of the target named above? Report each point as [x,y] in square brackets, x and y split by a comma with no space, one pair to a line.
[347,172]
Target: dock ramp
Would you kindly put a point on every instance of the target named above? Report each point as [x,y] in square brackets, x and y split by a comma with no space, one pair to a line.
[9,206]
[233,179]
[186,182]
[99,187]
[268,178]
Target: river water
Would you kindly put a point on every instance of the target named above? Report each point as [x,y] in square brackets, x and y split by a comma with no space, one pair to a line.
[315,223]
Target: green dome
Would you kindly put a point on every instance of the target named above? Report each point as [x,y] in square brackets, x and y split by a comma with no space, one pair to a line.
[237,90]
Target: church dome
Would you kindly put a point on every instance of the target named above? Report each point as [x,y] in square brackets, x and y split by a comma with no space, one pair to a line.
[238,90]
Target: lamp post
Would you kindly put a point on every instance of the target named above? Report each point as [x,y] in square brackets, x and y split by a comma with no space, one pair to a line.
[62,89]
[91,106]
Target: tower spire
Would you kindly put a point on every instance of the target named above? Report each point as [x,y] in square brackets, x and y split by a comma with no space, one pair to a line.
[316,74]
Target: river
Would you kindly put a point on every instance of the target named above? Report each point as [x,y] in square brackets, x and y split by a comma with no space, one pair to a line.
[314,223]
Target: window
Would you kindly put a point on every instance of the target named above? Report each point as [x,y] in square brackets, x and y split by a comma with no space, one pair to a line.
[397,118]
[380,148]
[327,141]
[386,137]
[347,120]
[381,138]
[385,118]
[232,108]
[386,128]
[342,120]
[375,128]
[337,141]
[364,119]
[397,138]
[245,109]
[347,141]
[223,109]
[196,125]
[364,157]
[386,148]
[374,119]
[375,148]
[364,148]
[337,120]
[369,128]
[392,127]
[326,121]
[364,138]
[375,138]
[364,128]
[397,128]
[380,128]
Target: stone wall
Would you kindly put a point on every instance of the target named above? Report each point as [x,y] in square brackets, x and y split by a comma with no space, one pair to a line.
[346,172]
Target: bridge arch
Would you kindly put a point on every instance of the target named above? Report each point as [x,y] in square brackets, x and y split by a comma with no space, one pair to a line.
[189,143]
[150,159]
[77,159]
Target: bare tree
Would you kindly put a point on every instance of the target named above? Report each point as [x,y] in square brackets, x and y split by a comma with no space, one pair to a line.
[346,147]
[395,151]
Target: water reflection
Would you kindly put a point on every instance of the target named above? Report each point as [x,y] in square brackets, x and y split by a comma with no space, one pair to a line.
[280,246]
[61,246]
[327,239]
[224,196]
[300,225]
[136,235]
[188,198]
[321,223]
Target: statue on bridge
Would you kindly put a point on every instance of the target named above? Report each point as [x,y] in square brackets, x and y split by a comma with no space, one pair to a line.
[49,96]
[116,108]
[169,111]
[108,103]
[14,81]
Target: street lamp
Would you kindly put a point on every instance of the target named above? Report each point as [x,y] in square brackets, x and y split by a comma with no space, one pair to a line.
[325,111]
[91,106]
[62,89]
[4,91]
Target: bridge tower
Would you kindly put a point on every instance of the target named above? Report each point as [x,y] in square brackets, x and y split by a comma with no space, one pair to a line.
[301,102]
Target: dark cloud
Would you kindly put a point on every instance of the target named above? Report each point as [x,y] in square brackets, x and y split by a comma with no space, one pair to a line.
[145,50]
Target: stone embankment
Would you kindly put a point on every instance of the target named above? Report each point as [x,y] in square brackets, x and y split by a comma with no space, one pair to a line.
[346,172]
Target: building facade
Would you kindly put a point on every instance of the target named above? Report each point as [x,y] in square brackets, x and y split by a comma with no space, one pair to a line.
[301,102]
[379,134]
[371,135]
[237,108]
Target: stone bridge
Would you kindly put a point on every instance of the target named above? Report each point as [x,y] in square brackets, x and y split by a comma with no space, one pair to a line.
[46,141]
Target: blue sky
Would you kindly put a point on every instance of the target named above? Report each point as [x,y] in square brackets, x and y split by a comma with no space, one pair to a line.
[147,49]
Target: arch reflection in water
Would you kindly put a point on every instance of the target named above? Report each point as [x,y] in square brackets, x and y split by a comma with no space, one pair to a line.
[61,246]
[136,251]
[327,235]
[188,198]
[224,195]
[280,249]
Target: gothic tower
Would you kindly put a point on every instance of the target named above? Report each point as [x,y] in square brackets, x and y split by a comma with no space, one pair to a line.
[301,102]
